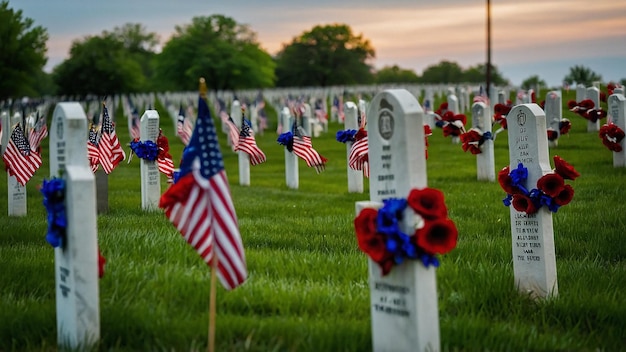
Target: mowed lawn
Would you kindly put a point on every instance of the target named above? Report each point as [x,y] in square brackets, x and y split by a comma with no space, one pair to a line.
[307,287]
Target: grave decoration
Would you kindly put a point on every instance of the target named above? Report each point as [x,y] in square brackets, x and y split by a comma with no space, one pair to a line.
[500,111]
[587,109]
[452,124]
[380,236]
[564,126]
[109,147]
[296,142]
[550,191]
[20,159]
[247,143]
[159,152]
[474,139]
[184,126]
[612,136]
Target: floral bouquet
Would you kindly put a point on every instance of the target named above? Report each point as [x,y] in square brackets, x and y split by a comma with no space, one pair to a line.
[587,109]
[473,139]
[381,237]
[611,136]
[550,190]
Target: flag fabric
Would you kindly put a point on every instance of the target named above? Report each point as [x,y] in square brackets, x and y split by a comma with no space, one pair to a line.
[111,152]
[93,153]
[164,158]
[233,132]
[481,97]
[37,134]
[199,203]
[20,160]
[358,157]
[247,144]
[303,148]
[183,126]
[135,123]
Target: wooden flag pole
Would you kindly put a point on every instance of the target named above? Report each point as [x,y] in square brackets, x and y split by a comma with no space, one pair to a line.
[212,300]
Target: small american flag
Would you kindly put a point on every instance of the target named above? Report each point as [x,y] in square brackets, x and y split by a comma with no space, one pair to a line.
[233,133]
[199,204]
[38,133]
[358,157]
[135,131]
[247,144]
[111,152]
[93,153]
[20,160]
[184,128]
[303,148]
[481,97]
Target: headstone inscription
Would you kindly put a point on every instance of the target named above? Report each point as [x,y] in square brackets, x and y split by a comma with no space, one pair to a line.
[485,161]
[403,303]
[617,108]
[76,260]
[534,258]
[355,177]
[150,177]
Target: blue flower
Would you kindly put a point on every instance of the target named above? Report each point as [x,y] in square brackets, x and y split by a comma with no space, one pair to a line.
[145,150]
[507,200]
[345,136]
[54,201]
[286,139]
[519,175]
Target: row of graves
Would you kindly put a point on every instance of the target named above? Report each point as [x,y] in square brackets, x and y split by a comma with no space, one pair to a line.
[402,228]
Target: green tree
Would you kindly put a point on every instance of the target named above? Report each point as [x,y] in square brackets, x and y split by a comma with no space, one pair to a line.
[581,75]
[22,53]
[478,74]
[443,72]
[533,82]
[219,49]
[395,74]
[140,45]
[326,55]
[98,65]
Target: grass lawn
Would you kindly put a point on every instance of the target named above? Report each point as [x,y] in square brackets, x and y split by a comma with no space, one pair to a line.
[307,288]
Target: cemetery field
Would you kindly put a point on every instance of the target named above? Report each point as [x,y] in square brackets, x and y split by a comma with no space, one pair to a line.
[307,288]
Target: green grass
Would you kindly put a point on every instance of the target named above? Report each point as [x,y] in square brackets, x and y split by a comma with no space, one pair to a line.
[307,288]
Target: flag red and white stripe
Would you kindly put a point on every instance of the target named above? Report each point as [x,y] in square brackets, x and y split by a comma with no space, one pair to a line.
[358,157]
[247,144]
[93,153]
[111,152]
[303,148]
[37,134]
[20,160]
[233,133]
[200,206]
[184,128]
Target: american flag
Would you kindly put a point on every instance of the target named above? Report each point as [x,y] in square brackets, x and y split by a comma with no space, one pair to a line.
[183,126]
[233,132]
[38,133]
[164,158]
[303,148]
[481,97]
[358,157]
[247,144]
[199,204]
[135,132]
[20,160]
[93,154]
[111,152]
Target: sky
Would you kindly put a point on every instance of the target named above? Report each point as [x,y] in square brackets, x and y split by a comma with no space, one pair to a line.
[533,37]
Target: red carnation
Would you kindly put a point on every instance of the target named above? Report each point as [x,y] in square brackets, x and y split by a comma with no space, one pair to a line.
[451,130]
[101,263]
[370,242]
[448,116]
[552,135]
[524,204]
[428,202]
[386,265]
[564,126]
[571,104]
[506,182]
[443,106]
[551,184]
[564,169]
[565,196]
[471,140]
[502,109]
[438,236]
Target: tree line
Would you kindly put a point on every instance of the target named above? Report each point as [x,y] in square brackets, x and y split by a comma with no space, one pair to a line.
[226,53]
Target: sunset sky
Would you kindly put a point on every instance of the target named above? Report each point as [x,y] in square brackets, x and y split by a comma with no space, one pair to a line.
[533,37]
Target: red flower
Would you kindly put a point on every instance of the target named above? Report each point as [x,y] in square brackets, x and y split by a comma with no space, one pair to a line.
[564,169]
[101,263]
[428,202]
[471,140]
[552,135]
[370,242]
[506,182]
[565,196]
[524,204]
[551,184]
[438,236]
[501,109]
[386,265]
[571,104]
[451,130]
[564,126]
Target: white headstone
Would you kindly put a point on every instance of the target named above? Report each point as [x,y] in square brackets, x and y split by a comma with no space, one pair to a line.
[453,103]
[617,109]
[534,258]
[355,177]
[307,120]
[485,162]
[16,192]
[593,93]
[291,160]
[554,115]
[502,97]
[76,262]
[150,177]
[581,93]
[404,302]
[619,90]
